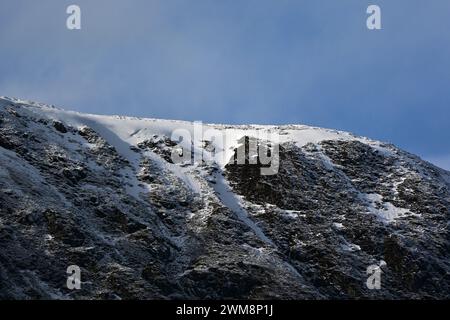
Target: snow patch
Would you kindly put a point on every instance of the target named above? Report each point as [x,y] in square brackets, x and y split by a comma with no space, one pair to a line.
[338,225]
[123,132]
[231,201]
[385,211]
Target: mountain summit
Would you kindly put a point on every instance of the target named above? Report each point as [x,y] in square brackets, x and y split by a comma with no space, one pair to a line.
[104,193]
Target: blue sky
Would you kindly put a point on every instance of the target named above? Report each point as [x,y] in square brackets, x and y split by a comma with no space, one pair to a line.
[251,61]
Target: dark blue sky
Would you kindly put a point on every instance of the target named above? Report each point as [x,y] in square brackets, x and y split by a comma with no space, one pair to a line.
[251,61]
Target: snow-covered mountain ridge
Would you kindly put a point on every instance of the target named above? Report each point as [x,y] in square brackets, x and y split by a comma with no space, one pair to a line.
[103,193]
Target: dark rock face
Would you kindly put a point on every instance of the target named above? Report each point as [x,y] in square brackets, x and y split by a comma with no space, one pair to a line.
[140,230]
[59,127]
[415,248]
[159,145]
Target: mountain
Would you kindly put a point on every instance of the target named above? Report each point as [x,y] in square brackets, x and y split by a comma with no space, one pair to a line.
[105,194]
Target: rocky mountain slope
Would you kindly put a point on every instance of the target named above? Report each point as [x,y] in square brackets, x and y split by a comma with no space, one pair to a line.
[103,193]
